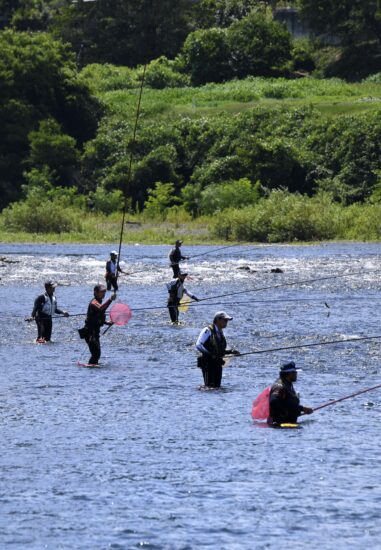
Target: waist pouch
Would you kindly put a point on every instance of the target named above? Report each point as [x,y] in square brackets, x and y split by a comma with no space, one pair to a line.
[83,332]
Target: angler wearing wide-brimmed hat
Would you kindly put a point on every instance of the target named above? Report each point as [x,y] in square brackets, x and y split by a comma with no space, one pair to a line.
[212,345]
[175,258]
[112,270]
[285,406]
[45,306]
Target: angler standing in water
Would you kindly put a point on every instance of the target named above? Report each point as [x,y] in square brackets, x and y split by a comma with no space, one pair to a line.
[212,345]
[45,306]
[112,270]
[175,258]
[285,406]
[95,319]
[176,292]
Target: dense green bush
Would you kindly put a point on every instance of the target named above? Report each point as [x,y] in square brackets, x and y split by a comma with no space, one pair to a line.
[282,147]
[235,194]
[258,46]
[51,148]
[161,73]
[293,217]
[106,202]
[44,211]
[160,199]
[103,78]
[206,56]
[253,45]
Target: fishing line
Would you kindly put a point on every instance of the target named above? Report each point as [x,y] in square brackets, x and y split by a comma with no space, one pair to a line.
[306,281]
[195,304]
[214,250]
[327,343]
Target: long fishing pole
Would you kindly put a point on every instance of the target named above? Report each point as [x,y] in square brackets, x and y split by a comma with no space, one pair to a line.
[305,281]
[214,250]
[329,403]
[129,173]
[329,342]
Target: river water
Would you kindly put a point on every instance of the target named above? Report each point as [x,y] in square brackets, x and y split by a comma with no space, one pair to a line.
[133,455]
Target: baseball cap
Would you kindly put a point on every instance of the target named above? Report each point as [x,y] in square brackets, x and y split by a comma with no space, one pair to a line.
[288,367]
[222,315]
[114,253]
[179,242]
[50,283]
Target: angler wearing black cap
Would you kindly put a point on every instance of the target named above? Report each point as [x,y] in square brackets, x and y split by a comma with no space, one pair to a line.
[176,291]
[95,319]
[45,306]
[212,345]
[285,407]
[175,258]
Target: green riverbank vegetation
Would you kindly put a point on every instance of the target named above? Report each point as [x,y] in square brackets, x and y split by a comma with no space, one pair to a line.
[245,134]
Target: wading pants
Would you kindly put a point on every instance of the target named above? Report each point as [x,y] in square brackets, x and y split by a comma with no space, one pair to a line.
[94,344]
[44,328]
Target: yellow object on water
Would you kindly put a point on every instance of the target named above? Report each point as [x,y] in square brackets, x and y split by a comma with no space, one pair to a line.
[184,303]
[289,425]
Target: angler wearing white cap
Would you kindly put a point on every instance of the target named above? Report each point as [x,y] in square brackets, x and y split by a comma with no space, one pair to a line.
[112,270]
[212,345]
[45,306]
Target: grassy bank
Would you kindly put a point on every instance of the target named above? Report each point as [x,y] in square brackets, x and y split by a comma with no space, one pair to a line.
[281,217]
[330,97]
[106,229]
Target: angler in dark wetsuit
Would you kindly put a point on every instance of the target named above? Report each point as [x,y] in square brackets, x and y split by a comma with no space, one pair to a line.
[96,318]
[212,345]
[175,257]
[285,407]
[176,292]
[112,270]
[45,306]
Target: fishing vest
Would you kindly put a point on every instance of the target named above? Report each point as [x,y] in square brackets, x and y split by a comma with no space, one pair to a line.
[111,267]
[214,344]
[175,256]
[288,389]
[175,288]
[50,306]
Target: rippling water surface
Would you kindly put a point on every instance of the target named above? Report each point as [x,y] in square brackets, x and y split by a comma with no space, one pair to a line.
[133,455]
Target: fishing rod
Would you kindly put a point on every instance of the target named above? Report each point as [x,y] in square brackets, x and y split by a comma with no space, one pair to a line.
[214,250]
[129,173]
[329,403]
[270,350]
[194,304]
[305,281]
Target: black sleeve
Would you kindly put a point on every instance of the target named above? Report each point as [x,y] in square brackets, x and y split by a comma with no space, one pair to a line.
[38,305]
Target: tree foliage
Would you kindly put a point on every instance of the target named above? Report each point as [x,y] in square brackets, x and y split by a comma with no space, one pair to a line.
[39,81]
[353,21]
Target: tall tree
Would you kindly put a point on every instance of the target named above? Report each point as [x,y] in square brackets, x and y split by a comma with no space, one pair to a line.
[38,81]
[353,20]
[127,32]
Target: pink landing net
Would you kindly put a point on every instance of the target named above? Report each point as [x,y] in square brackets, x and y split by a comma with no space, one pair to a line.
[261,405]
[120,314]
